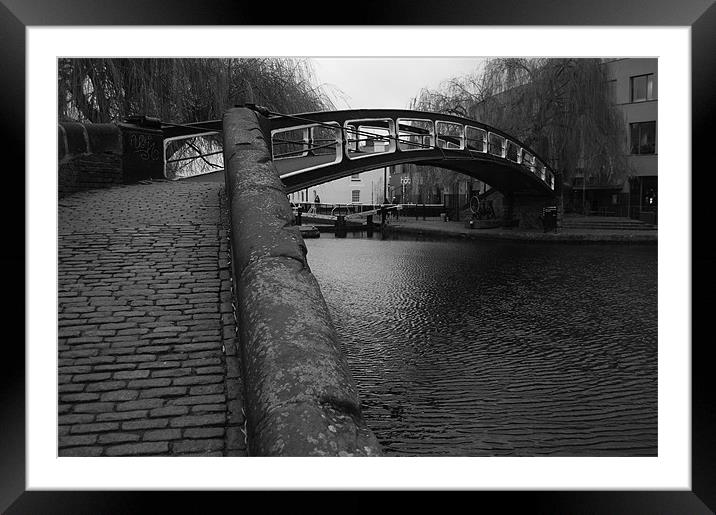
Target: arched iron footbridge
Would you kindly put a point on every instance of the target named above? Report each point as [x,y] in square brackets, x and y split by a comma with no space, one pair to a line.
[312,148]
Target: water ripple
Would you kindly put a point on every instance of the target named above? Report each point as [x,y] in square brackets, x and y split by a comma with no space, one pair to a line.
[490,349]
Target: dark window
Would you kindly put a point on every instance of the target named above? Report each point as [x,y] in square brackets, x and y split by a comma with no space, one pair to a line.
[642,88]
[355,196]
[643,137]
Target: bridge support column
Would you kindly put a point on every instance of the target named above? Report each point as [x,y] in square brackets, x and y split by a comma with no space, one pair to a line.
[299,395]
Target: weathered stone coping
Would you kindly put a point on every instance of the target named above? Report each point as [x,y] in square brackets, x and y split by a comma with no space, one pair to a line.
[300,397]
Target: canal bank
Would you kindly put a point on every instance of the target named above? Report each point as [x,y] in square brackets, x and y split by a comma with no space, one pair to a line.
[452,229]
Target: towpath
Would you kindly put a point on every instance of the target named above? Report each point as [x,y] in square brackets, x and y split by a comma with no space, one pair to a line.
[147,354]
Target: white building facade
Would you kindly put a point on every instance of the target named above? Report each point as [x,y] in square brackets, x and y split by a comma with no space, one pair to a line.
[361,188]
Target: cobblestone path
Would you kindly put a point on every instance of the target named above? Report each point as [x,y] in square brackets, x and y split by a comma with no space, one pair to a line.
[147,350]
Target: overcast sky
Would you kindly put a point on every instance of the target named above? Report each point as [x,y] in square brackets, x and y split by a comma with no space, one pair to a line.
[385,82]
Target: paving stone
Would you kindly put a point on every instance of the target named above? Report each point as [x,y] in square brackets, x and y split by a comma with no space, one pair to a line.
[138,449]
[79,397]
[210,370]
[75,418]
[113,367]
[169,411]
[120,395]
[70,388]
[199,420]
[172,372]
[105,386]
[93,407]
[87,452]
[162,434]
[75,440]
[111,438]
[78,369]
[198,446]
[202,362]
[160,364]
[206,389]
[139,404]
[122,415]
[131,374]
[93,360]
[194,380]
[155,423]
[137,358]
[139,302]
[80,353]
[94,428]
[199,399]
[206,408]
[171,391]
[204,432]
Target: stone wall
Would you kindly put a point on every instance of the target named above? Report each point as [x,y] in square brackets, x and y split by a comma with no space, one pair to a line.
[89,157]
[101,155]
[299,394]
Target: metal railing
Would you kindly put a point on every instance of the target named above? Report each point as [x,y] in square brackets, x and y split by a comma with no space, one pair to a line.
[348,137]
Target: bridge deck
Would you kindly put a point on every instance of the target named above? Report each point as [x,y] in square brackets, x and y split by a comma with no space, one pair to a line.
[144,313]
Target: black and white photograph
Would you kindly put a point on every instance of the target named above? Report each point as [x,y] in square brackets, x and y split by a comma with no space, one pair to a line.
[357,257]
[350,258]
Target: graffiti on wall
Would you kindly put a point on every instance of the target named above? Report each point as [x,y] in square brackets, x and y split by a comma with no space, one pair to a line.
[145,146]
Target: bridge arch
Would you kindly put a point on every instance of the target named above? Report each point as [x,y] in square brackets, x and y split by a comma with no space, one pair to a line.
[312,148]
[317,147]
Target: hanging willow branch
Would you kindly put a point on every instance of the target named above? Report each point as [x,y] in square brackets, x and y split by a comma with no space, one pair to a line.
[183,90]
[559,107]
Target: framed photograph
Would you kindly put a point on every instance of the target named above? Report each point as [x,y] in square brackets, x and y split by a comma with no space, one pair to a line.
[669,468]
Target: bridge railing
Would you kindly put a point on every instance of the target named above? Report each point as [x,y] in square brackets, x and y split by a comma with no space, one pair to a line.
[329,142]
[328,138]
[193,154]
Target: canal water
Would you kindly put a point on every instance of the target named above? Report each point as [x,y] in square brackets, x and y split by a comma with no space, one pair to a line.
[488,348]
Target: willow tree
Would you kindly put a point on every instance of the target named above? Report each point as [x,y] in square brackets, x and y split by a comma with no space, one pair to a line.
[559,107]
[183,90]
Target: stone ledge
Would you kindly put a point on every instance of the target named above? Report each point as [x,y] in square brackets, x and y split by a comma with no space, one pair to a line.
[300,397]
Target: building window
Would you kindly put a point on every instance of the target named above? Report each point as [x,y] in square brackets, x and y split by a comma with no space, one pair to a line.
[643,137]
[355,196]
[642,88]
[355,177]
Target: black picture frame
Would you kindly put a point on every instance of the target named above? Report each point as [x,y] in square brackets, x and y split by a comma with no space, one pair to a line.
[16,15]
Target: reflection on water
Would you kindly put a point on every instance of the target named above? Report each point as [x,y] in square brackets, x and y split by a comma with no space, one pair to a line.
[470,348]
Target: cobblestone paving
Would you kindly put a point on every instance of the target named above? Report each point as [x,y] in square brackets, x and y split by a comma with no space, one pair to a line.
[147,349]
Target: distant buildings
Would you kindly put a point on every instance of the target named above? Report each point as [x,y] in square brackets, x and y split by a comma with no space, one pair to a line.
[633,87]
[633,84]
[361,188]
